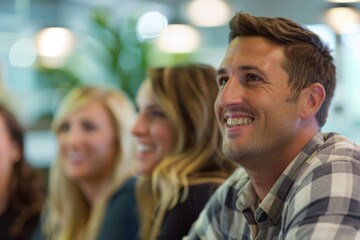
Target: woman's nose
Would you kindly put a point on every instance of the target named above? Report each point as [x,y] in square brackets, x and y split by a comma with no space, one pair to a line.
[140,126]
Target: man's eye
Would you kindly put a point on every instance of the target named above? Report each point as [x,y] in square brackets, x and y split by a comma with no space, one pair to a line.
[253,77]
[223,81]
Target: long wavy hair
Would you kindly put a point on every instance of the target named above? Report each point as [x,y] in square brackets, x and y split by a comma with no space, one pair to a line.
[187,94]
[27,187]
[68,214]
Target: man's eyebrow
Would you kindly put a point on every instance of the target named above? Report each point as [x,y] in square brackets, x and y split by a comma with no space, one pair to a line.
[241,68]
[251,67]
[221,71]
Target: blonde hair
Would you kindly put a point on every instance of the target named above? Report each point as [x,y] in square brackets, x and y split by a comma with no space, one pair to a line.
[187,94]
[68,214]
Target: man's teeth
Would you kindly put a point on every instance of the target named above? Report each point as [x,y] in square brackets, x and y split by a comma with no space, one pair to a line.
[231,122]
[143,148]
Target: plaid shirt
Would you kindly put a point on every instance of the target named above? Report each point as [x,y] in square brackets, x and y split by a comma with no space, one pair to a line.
[316,197]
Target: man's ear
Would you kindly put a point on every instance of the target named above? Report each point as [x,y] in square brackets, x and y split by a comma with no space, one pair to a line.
[311,99]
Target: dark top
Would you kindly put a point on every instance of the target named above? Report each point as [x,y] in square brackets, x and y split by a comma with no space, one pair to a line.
[8,218]
[177,221]
[121,219]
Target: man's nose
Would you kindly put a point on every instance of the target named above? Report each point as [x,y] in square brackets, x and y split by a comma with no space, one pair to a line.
[233,92]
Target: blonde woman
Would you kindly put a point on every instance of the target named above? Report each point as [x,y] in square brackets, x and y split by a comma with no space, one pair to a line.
[179,160]
[91,191]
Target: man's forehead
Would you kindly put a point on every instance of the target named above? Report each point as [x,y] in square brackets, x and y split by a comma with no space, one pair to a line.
[251,49]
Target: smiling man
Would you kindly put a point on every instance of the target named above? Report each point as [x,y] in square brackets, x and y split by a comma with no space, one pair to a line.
[275,84]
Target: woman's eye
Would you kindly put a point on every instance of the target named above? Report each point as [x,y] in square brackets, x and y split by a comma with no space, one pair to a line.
[64,127]
[158,114]
[88,126]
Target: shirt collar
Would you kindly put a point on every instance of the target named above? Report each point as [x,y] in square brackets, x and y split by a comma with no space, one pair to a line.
[274,201]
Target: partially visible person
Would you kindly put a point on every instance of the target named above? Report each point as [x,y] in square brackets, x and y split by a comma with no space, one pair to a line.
[22,189]
[179,162]
[276,83]
[91,190]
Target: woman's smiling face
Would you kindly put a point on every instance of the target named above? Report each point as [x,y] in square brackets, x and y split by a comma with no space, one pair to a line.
[153,131]
[86,141]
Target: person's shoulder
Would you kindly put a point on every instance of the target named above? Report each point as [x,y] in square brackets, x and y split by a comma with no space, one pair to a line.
[200,189]
[335,157]
[329,151]
[199,194]
[126,190]
[325,182]
[338,140]
[122,203]
[129,183]
[337,147]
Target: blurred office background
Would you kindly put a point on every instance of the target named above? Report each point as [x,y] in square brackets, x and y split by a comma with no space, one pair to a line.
[49,46]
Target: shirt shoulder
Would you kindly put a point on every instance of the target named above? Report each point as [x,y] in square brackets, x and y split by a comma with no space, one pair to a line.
[338,147]
[326,192]
[328,150]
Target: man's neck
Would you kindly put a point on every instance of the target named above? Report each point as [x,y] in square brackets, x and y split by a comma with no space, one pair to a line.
[265,179]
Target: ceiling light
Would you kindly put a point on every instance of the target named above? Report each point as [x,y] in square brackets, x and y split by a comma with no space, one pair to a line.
[343,20]
[54,44]
[343,1]
[179,38]
[151,24]
[22,53]
[208,13]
